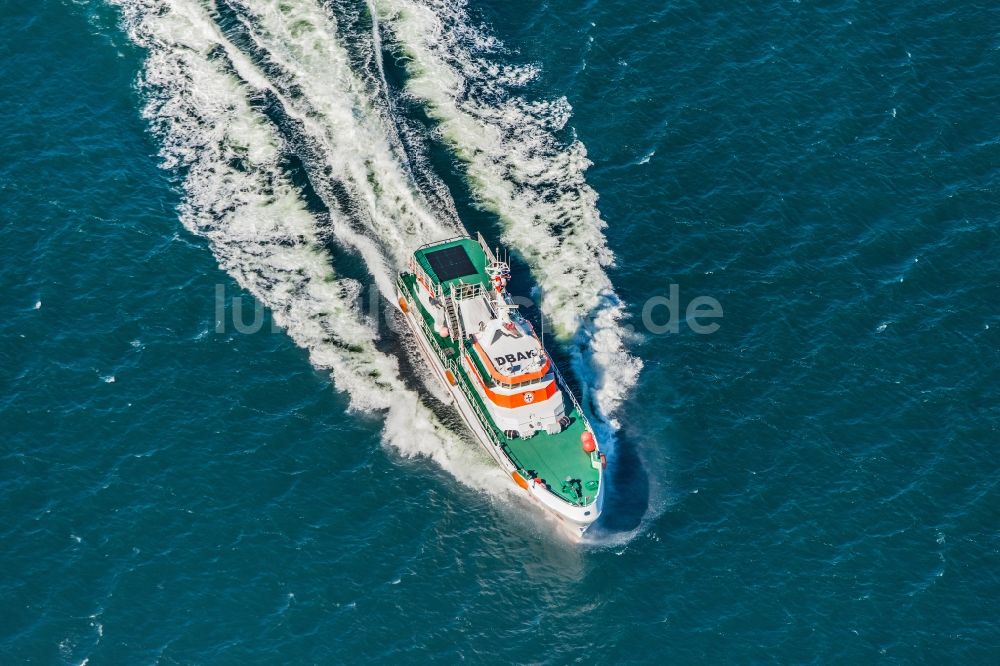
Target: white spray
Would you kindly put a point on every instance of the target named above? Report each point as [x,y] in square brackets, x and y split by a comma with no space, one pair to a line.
[518,168]
[261,231]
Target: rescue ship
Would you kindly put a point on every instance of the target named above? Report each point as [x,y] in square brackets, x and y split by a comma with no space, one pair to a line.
[502,382]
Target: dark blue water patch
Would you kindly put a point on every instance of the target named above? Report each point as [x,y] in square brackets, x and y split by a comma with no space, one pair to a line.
[819,473]
[834,193]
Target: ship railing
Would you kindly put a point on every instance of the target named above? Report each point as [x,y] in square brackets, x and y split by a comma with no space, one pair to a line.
[420,274]
[483,420]
[451,366]
[441,242]
[454,316]
[572,398]
[420,319]
[582,501]
[486,249]
[465,290]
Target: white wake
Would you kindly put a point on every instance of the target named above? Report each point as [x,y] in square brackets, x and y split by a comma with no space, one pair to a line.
[212,71]
[519,169]
[199,88]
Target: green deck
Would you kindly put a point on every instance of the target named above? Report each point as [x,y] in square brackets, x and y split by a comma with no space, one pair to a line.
[552,458]
[475,254]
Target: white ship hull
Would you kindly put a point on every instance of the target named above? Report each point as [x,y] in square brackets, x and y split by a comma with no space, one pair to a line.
[573,520]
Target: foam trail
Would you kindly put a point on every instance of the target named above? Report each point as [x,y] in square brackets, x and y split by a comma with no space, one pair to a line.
[348,138]
[236,85]
[518,168]
[199,96]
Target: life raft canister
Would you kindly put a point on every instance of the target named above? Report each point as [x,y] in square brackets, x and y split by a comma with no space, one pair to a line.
[589,444]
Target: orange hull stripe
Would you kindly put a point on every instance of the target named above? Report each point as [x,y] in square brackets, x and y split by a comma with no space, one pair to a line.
[507,379]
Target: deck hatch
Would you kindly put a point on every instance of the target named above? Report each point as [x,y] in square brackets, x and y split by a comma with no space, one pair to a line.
[450,263]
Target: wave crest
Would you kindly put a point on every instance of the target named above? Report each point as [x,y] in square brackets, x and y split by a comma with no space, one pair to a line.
[520,169]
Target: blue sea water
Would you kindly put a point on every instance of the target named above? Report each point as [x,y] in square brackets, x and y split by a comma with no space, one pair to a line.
[816,481]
